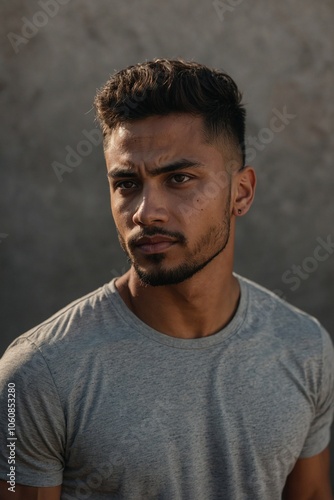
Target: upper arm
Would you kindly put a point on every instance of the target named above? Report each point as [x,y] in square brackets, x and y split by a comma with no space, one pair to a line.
[29,492]
[310,479]
[29,401]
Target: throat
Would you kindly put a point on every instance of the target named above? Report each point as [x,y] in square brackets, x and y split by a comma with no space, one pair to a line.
[171,311]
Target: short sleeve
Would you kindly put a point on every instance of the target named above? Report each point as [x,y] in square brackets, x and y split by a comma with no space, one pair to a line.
[320,431]
[28,393]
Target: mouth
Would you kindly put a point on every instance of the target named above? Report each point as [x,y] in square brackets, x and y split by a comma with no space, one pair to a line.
[154,244]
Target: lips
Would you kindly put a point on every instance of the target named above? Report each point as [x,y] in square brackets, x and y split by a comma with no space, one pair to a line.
[154,244]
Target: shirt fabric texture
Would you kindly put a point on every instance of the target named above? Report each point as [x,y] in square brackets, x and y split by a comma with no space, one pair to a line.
[113,409]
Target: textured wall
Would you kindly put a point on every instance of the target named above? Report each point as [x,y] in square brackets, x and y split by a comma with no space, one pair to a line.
[57,240]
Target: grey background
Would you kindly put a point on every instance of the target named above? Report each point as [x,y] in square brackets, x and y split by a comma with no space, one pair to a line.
[57,240]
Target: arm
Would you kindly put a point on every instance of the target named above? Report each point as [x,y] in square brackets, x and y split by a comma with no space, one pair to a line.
[29,492]
[309,479]
[26,384]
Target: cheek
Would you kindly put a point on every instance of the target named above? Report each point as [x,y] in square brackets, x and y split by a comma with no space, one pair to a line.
[118,206]
[208,196]
[122,214]
[203,210]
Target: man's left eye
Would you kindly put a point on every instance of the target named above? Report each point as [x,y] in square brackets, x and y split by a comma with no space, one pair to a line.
[180,178]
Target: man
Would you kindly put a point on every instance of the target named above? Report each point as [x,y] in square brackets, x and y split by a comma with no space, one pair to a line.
[179,379]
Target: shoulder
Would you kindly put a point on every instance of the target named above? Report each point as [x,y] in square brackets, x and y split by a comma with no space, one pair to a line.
[294,340]
[74,328]
[283,321]
[266,301]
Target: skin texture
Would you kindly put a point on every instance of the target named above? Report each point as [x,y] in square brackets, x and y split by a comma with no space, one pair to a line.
[191,211]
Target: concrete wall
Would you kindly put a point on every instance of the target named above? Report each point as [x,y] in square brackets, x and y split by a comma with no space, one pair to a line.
[57,240]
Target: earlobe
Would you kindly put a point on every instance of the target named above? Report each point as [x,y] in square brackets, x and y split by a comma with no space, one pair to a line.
[245,183]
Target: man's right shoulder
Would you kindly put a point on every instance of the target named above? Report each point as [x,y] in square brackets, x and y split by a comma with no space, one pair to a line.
[81,322]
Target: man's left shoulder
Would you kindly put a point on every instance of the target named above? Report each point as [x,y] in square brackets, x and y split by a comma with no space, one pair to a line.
[284,319]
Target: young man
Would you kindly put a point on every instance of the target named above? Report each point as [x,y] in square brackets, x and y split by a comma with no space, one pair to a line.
[179,379]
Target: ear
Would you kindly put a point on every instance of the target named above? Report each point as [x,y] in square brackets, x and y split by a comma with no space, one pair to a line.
[243,191]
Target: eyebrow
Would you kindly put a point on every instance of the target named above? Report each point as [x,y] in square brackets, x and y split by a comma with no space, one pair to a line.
[118,172]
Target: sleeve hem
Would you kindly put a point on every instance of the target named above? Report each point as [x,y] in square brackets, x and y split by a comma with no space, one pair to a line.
[315,451]
[37,482]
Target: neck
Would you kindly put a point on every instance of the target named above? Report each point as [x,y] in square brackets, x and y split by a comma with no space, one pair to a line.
[197,307]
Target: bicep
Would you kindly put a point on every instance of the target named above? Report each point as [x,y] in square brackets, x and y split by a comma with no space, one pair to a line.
[310,479]
[29,492]
[37,418]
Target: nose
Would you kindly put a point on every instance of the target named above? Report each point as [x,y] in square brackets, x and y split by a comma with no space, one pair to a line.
[151,208]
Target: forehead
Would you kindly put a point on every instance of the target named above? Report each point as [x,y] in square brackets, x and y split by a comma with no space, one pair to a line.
[166,135]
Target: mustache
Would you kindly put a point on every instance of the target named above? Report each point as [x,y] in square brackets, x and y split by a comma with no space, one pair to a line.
[153,231]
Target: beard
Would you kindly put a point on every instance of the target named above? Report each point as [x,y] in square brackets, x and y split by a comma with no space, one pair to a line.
[210,244]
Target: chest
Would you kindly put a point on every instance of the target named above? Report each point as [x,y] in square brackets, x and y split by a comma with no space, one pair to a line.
[143,420]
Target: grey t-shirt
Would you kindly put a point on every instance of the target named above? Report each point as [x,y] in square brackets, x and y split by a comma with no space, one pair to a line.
[111,408]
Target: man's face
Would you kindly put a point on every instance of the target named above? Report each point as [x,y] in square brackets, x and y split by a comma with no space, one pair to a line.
[170,196]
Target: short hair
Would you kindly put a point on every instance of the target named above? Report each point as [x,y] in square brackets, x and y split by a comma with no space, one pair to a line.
[165,86]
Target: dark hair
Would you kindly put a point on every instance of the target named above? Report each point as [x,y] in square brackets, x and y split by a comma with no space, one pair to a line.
[165,86]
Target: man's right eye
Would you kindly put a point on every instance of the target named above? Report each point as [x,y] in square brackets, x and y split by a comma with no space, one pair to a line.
[125,185]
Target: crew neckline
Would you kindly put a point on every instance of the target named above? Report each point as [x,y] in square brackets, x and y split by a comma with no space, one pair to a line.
[198,343]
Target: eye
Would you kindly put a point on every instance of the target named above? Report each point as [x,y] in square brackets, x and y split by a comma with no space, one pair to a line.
[180,178]
[125,185]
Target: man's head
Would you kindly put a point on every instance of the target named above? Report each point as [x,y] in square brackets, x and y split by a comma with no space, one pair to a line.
[173,141]
[162,87]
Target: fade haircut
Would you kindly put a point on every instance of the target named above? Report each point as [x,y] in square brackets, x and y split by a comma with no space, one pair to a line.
[164,86]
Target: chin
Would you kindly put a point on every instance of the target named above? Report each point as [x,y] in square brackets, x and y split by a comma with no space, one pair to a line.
[166,277]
